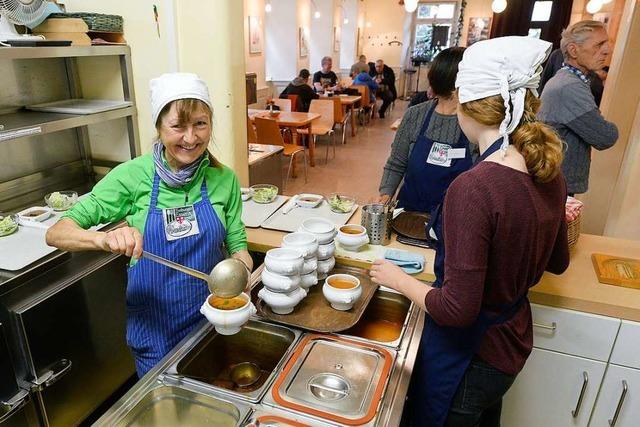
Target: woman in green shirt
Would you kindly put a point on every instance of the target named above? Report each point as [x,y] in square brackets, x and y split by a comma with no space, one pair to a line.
[179,202]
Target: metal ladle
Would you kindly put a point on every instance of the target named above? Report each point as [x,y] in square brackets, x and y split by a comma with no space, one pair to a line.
[227,279]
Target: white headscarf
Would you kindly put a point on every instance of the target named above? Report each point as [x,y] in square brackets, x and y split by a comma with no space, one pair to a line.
[506,66]
[172,86]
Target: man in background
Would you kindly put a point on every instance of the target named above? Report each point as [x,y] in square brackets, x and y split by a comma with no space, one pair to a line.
[325,79]
[300,86]
[569,106]
[359,67]
[386,80]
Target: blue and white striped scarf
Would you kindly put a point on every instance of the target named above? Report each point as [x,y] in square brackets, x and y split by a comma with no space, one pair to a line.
[178,178]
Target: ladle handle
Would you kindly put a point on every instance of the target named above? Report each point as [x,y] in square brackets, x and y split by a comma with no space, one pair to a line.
[176,266]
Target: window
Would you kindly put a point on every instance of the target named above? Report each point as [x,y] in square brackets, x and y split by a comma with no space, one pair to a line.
[541,11]
[434,24]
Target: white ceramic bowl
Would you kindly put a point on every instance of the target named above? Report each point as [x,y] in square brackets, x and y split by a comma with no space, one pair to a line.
[282,303]
[307,200]
[309,280]
[323,229]
[352,237]
[285,261]
[280,283]
[246,194]
[303,242]
[326,251]
[228,322]
[326,265]
[310,265]
[342,299]
[322,276]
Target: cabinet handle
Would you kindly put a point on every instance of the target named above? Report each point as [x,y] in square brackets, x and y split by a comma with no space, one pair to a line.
[585,381]
[625,387]
[551,327]
[55,372]
[11,406]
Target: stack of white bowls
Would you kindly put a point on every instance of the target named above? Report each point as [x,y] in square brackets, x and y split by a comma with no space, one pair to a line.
[325,233]
[307,246]
[281,278]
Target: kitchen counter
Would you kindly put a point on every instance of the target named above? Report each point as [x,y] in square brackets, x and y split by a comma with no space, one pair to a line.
[577,289]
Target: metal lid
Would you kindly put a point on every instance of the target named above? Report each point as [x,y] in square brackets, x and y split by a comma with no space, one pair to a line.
[334,378]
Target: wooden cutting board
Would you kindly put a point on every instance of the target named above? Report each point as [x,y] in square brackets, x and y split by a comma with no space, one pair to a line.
[617,271]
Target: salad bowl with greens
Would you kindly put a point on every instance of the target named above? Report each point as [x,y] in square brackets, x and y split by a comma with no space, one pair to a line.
[264,193]
[61,200]
[341,203]
[8,225]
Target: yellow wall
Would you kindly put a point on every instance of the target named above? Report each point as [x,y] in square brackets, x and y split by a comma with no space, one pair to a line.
[387,19]
[474,9]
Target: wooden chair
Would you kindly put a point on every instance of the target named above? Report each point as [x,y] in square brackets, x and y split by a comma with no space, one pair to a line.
[269,133]
[294,102]
[323,125]
[252,138]
[283,104]
[339,115]
[366,106]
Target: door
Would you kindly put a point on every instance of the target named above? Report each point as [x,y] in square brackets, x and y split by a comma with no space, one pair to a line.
[553,390]
[16,407]
[75,336]
[619,399]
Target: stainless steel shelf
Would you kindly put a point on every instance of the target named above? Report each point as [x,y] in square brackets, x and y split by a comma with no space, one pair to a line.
[61,52]
[26,123]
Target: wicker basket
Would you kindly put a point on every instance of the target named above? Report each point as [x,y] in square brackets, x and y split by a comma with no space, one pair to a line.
[573,231]
[96,21]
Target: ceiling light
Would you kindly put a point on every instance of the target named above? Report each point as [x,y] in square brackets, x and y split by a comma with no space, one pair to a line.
[606,1]
[316,14]
[410,5]
[346,20]
[368,24]
[267,7]
[594,6]
[498,6]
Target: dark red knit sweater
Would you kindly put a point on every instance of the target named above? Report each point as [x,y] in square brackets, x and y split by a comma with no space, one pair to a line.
[502,230]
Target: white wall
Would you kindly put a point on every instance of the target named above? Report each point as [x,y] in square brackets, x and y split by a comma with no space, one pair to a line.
[386,19]
[321,36]
[304,22]
[348,54]
[281,41]
[255,62]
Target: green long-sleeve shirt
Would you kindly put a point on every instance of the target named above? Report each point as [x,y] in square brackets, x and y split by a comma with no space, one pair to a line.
[125,193]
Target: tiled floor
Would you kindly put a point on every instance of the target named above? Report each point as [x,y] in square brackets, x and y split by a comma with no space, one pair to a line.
[357,168]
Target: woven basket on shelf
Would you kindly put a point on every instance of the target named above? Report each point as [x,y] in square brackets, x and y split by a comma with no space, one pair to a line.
[573,231]
[96,21]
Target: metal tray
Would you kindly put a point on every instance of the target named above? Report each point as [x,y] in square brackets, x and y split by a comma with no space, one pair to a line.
[254,214]
[80,106]
[294,218]
[314,313]
[411,224]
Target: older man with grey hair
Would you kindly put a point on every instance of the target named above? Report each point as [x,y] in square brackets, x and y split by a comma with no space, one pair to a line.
[568,104]
[325,79]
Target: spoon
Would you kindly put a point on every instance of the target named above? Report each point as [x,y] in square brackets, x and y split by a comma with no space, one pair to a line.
[227,279]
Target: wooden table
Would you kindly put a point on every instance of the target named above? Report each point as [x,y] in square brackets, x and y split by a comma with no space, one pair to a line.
[265,164]
[349,101]
[293,120]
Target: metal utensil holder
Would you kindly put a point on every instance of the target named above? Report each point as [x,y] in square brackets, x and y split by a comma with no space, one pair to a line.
[376,218]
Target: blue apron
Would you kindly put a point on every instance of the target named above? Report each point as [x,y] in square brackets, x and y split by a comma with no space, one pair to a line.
[163,304]
[445,352]
[426,183]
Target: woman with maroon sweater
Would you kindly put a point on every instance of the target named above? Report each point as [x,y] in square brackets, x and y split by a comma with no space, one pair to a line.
[503,227]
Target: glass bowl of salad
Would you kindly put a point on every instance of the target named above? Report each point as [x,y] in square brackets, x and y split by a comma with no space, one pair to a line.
[341,203]
[8,224]
[61,200]
[264,193]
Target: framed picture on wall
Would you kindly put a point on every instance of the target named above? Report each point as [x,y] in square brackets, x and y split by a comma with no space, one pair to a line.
[302,43]
[478,30]
[255,34]
[336,39]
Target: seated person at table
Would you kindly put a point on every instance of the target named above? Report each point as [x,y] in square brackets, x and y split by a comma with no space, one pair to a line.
[364,79]
[325,79]
[384,76]
[300,86]
[359,67]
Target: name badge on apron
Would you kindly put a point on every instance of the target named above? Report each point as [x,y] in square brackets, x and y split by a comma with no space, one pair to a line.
[180,222]
[439,155]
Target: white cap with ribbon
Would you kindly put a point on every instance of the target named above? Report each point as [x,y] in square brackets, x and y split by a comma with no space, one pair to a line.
[506,66]
[172,86]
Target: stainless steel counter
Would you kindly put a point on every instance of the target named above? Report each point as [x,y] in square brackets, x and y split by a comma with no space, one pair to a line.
[163,375]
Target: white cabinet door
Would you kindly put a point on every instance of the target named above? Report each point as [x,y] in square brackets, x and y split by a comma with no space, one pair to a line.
[626,352]
[611,396]
[547,391]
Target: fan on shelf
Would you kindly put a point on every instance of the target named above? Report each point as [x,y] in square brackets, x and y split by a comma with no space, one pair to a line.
[30,13]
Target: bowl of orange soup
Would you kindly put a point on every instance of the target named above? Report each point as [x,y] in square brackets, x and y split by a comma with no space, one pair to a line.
[342,291]
[228,315]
